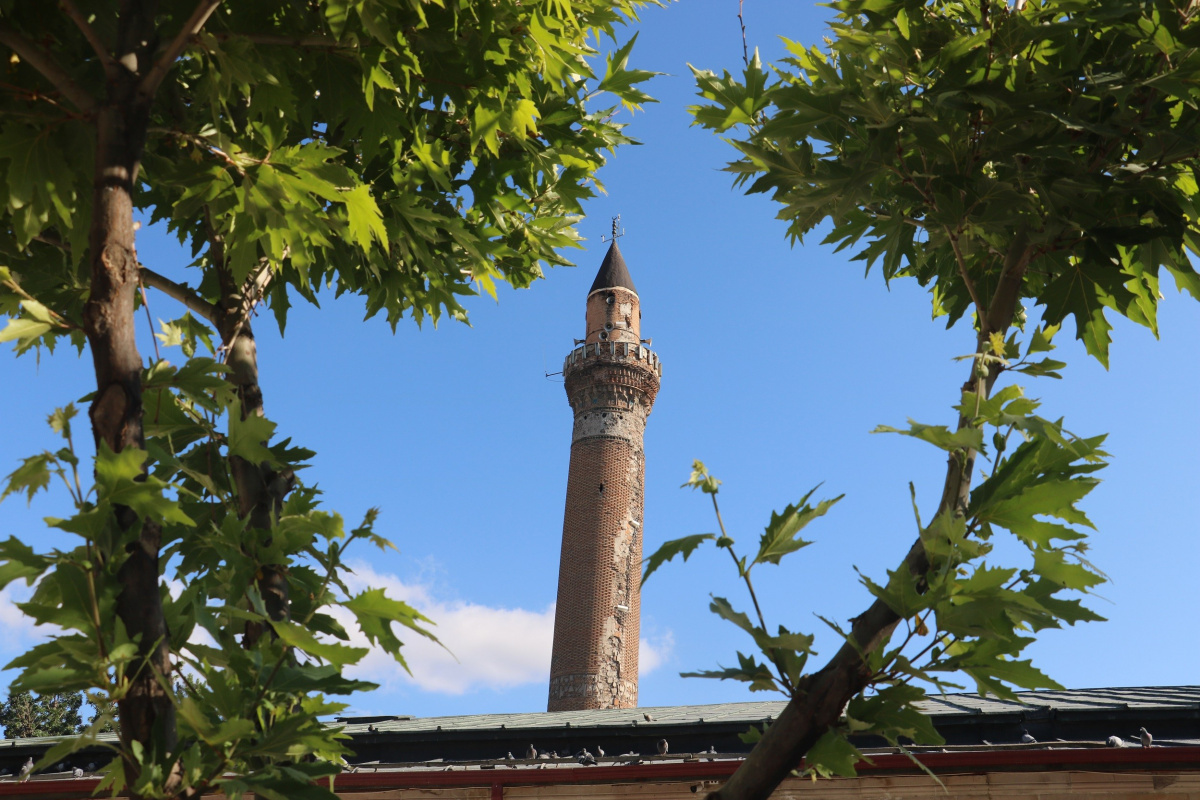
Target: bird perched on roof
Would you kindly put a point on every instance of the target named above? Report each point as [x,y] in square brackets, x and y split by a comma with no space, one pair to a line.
[1115,741]
[508,756]
[531,752]
[600,751]
[371,729]
[1026,738]
[586,758]
[1147,739]
[26,768]
[647,717]
[711,751]
[77,773]
[544,756]
[663,747]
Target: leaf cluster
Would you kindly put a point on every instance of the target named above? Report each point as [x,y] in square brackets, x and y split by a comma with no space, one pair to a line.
[249,713]
[952,141]
[409,152]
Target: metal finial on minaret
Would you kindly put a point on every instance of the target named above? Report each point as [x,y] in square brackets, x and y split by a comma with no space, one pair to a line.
[617,230]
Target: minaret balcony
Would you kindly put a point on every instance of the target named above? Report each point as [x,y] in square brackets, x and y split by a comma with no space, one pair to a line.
[614,352]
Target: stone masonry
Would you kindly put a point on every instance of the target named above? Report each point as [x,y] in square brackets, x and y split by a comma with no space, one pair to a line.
[611,383]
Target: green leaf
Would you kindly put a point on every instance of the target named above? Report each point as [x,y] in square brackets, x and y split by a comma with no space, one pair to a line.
[248,436]
[299,637]
[700,479]
[940,436]
[780,536]
[366,220]
[833,754]
[121,481]
[31,477]
[676,547]
[622,81]
[375,612]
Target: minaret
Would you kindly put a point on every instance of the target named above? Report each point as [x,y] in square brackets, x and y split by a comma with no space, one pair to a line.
[611,382]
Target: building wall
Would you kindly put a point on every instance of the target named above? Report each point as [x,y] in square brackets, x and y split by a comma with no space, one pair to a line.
[1049,785]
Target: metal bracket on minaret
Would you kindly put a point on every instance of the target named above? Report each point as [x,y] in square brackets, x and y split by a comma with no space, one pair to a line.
[617,230]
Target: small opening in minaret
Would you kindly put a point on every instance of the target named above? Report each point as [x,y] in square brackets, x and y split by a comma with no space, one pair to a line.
[602,488]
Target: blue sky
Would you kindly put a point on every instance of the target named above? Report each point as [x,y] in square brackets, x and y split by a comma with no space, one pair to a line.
[778,362]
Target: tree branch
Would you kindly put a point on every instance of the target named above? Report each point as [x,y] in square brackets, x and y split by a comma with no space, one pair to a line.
[195,22]
[314,41]
[980,308]
[44,63]
[1008,288]
[179,292]
[89,33]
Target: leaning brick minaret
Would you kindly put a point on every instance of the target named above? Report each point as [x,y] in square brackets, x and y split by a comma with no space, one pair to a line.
[611,382]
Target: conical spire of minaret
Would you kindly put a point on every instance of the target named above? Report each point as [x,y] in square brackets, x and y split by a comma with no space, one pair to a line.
[613,271]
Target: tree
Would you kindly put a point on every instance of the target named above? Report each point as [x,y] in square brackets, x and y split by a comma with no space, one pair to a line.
[1042,153]
[25,716]
[402,150]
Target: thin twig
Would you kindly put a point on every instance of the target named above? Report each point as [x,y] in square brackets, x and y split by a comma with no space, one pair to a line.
[742,22]
[179,292]
[44,63]
[89,33]
[980,309]
[149,323]
[195,22]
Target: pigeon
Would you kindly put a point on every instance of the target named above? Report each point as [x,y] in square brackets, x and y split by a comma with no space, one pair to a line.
[647,717]
[77,773]
[544,756]
[710,752]
[508,756]
[1147,739]
[531,752]
[26,768]
[985,741]
[1115,741]
[371,729]
[586,758]
[663,747]
[1026,738]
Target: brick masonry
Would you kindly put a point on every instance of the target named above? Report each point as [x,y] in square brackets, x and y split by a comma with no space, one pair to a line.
[611,383]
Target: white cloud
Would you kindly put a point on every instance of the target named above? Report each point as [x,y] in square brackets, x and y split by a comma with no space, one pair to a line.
[19,631]
[654,650]
[497,648]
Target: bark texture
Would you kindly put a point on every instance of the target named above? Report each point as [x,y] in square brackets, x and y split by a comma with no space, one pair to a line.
[260,488]
[146,713]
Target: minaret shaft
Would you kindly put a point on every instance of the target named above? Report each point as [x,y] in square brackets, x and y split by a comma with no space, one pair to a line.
[611,382]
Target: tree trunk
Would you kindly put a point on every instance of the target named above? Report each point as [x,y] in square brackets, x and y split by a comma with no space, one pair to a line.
[820,698]
[146,712]
[260,489]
